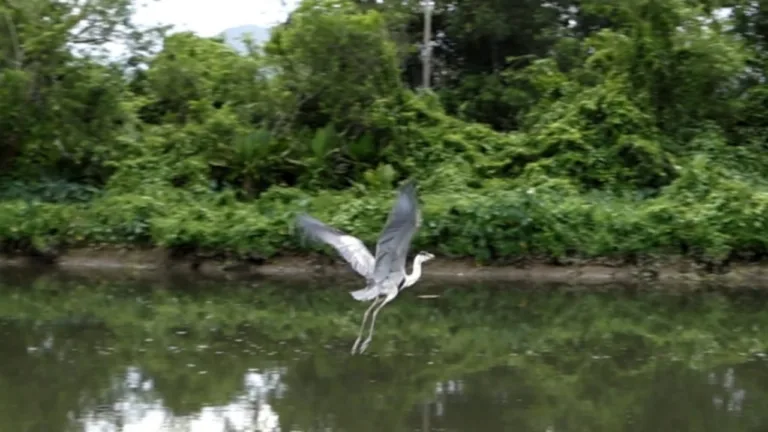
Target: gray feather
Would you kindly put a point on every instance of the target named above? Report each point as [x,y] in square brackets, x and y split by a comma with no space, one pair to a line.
[395,239]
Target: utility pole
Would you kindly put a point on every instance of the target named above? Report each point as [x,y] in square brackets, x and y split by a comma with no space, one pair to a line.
[426,59]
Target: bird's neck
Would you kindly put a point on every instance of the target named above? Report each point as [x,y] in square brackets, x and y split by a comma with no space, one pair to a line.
[411,279]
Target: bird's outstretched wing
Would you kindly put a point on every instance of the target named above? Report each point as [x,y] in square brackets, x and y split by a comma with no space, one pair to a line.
[395,239]
[351,248]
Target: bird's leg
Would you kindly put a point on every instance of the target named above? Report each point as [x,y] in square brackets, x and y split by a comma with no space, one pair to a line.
[373,321]
[362,326]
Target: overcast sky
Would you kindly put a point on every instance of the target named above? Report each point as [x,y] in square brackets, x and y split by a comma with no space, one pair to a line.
[211,17]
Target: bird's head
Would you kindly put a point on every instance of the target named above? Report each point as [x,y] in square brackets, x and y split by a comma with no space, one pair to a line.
[424,256]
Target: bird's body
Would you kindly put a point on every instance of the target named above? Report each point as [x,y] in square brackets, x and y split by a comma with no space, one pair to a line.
[385,273]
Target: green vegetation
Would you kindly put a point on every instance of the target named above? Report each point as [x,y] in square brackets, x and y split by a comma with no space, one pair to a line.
[555,129]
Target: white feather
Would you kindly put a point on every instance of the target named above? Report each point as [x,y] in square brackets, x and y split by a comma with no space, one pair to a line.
[351,248]
[365,294]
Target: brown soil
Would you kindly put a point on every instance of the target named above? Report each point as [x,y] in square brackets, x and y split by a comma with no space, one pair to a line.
[669,271]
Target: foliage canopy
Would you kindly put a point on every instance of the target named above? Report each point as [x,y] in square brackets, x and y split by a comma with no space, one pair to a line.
[554,128]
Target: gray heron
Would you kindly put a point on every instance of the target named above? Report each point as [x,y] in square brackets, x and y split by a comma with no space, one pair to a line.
[385,273]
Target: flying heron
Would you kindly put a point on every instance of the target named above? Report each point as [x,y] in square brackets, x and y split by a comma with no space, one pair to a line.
[385,274]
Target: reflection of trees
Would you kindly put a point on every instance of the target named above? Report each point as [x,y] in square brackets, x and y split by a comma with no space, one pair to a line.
[534,395]
[495,399]
[470,360]
[722,399]
[41,388]
[332,391]
[328,390]
[188,378]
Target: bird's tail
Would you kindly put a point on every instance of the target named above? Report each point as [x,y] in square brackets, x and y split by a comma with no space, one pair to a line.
[365,294]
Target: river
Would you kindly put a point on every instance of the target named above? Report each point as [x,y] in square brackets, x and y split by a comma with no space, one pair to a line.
[109,353]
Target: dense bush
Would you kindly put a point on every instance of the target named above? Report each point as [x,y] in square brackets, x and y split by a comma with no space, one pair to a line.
[585,129]
[552,220]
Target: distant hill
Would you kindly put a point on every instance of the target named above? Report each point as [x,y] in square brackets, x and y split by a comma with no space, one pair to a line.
[234,35]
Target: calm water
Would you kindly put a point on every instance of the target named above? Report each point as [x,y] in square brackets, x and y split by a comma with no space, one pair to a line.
[121,355]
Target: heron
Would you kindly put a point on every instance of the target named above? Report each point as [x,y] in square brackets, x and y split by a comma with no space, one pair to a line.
[385,273]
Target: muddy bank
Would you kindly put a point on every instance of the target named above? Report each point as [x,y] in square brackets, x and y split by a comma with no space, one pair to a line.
[671,270]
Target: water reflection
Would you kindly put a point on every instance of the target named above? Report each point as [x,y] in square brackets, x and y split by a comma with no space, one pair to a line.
[116,357]
[142,409]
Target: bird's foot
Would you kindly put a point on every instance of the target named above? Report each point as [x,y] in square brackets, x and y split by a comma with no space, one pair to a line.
[364,345]
[354,347]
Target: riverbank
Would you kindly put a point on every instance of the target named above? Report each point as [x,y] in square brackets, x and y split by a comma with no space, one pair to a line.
[671,270]
[551,233]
